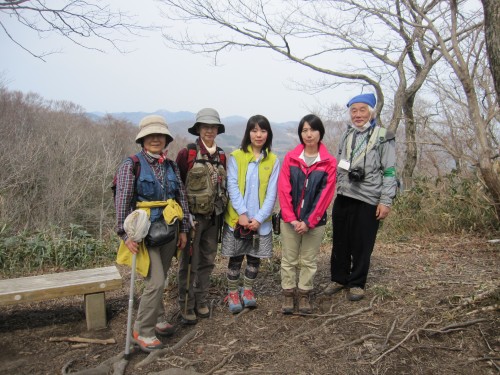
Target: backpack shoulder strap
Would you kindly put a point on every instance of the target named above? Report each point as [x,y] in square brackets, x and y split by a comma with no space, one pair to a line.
[385,135]
[136,165]
[222,156]
[192,152]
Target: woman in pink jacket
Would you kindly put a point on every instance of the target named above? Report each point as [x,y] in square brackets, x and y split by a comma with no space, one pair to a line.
[306,186]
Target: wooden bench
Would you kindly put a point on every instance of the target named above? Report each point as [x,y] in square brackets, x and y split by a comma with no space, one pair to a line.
[91,283]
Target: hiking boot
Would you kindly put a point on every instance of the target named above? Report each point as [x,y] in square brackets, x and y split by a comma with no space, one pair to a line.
[188,318]
[202,310]
[288,301]
[304,303]
[147,344]
[356,294]
[248,298]
[234,303]
[332,288]
[164,328]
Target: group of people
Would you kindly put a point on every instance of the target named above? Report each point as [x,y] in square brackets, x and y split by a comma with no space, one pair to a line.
[231,200]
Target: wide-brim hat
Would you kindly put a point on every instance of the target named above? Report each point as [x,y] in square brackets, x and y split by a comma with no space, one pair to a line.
[153,124]
[207,116]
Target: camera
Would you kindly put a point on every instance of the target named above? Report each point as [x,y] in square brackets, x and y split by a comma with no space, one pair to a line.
[356,174]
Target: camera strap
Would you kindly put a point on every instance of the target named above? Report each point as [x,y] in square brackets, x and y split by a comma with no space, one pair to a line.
[354,149]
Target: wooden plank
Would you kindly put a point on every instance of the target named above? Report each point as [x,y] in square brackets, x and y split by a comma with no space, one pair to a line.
[43,287]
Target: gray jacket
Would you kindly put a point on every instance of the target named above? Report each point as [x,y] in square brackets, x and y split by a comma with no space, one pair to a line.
[379,183]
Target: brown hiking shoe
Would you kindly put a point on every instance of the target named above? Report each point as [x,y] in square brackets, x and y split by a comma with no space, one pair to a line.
[188,317]
[304,302]
[356,294]
[288,301]
[202,310]
[332,288]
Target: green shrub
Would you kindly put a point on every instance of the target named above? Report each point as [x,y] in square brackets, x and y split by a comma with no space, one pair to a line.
[451,204]
[53,249]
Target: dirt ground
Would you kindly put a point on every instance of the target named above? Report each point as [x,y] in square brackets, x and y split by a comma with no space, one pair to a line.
[432,307]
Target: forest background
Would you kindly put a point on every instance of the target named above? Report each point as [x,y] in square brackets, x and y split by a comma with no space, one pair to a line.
[429,66]
[433,294]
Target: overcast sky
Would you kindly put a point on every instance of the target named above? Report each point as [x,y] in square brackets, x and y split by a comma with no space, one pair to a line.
[155,77]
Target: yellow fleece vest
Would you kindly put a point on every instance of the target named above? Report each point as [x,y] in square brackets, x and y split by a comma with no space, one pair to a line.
[265,169]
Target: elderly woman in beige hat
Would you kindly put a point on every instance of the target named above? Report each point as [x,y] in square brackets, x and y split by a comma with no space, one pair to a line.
[149,176]
[203,170]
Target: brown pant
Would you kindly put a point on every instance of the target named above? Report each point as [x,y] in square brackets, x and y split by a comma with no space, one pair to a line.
[151,308]
[202,263]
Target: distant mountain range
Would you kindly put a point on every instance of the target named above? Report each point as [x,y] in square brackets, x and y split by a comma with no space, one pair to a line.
[284,134]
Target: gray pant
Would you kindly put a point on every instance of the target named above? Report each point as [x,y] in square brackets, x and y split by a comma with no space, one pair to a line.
[151,308]
[202,263]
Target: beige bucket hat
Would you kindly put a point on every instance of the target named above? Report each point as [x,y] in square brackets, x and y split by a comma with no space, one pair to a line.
[153,124]
[207,116]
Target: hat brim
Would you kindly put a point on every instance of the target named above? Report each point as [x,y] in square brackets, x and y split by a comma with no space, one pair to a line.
[153,129]
[194,129]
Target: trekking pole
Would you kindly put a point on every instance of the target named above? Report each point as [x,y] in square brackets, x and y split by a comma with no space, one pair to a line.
[130,307]
[190,257]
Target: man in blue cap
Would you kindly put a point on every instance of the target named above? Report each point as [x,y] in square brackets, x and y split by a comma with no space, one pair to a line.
[366,186]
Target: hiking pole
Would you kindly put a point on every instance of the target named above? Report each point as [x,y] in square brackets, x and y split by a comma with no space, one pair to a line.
[190,257]
[130,307]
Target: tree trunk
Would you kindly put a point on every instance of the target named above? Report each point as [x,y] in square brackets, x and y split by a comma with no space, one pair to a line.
[411,144]
[487,168]
[492,32]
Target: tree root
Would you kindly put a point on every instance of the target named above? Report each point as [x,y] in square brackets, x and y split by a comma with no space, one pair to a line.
[353,342]
[158,353]
[393,348]
[466,302]
[452,327]
[118,363]
[336,318]
[447,329]
[226,359]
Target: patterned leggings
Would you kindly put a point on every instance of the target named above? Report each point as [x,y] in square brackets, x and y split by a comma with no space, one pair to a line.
[234,267]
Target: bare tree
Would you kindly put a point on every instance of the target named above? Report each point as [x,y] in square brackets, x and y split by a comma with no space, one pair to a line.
[57,165]
[492,31]
[464,56]
[379,43]
[76,20]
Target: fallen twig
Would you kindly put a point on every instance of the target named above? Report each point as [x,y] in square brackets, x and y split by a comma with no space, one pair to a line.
[84,340]
[353,342]
[407,320]
[454,327]
[484,338]
[390,333]
[222,363]
[393,348]
[235,317]
[339,317]
[483,309]
[438,347]
[477,298]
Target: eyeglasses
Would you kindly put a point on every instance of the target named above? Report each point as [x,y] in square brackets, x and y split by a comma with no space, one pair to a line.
[209,127]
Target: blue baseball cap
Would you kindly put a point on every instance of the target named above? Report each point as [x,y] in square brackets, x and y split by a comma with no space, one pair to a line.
[369,99]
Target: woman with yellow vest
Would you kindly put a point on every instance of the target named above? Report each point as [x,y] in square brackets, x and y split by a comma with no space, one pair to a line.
[252,178]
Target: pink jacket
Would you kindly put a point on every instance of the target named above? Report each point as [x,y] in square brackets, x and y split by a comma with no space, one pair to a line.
[306,192]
